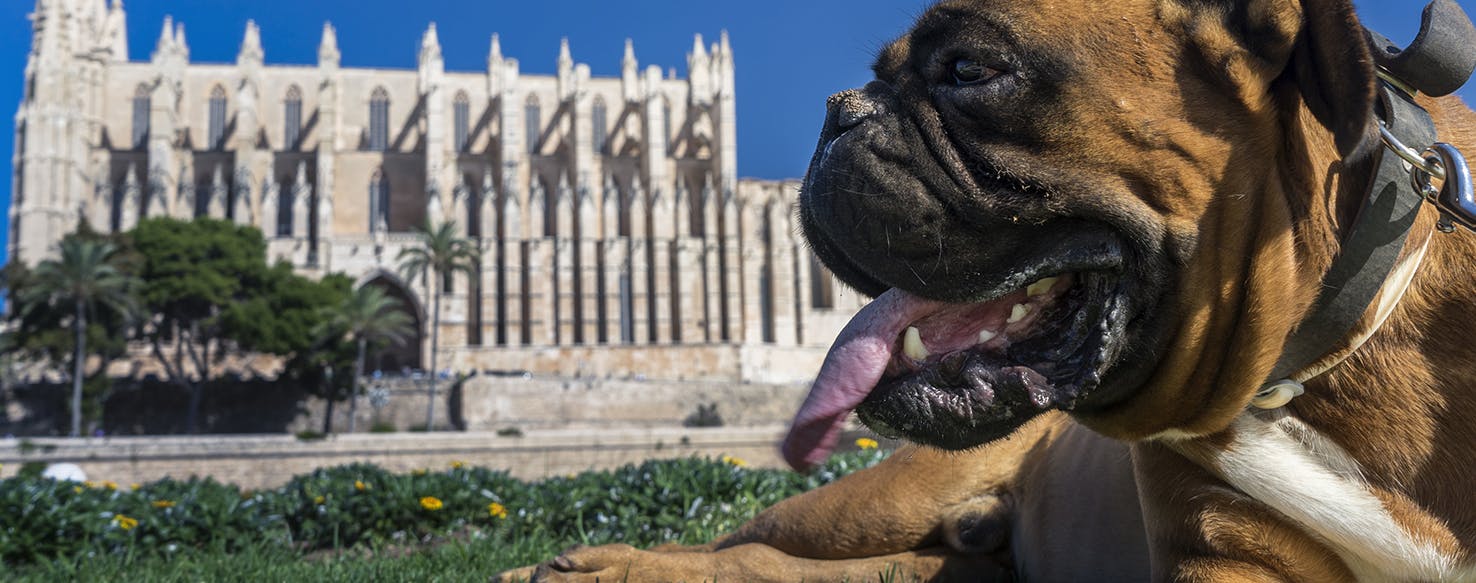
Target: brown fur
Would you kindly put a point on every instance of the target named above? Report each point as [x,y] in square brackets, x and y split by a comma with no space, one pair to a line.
[1228,145]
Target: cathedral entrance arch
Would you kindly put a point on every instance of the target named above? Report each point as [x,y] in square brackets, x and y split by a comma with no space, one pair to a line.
[396,358]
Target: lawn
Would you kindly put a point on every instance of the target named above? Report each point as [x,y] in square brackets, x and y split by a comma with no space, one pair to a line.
[362,523]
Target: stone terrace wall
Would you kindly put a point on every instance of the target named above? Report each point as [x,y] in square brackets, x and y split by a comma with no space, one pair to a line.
[263,462]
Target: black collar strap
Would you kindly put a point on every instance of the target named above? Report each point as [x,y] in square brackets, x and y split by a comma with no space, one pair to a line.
[1438,62]
[1368,253]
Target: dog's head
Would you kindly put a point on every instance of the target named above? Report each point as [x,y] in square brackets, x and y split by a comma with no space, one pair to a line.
[1109,208]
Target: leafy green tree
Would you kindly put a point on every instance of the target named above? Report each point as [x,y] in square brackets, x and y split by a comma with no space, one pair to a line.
[368,317]
[440,255]
[83,281]
[193,272]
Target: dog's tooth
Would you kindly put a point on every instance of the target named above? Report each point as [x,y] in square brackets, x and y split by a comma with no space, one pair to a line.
[1041,287]
[912,345]
[1018,313]
[986,335]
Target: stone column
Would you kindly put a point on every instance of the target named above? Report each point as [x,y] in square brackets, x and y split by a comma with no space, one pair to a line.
[688,272]
[510,286]
[733,271]
[640,268]
[711,274]
[661,284]
[781,257]
[588,289]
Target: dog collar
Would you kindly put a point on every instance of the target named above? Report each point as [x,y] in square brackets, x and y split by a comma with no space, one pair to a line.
[1439,61]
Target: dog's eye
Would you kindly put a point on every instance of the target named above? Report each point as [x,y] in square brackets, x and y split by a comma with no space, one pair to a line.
[968,72]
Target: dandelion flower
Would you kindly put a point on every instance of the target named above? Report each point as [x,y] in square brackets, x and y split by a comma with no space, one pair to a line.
[866,443]
[76,489]
[497,510]
[163,504]
[418,472]
[431,503]
[735,461]
[457,464]
[125,522]
[111,485]
[319,500]
[135,486]
[360,485]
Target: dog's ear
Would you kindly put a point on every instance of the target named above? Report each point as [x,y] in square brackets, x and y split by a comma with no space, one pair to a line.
[1321,47]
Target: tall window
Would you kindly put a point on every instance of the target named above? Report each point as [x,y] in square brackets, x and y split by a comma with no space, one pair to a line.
[533,116]
[601,134]
[461,112]
[292,120]
[379,202]
[142,103]
[217,124]
[379,104]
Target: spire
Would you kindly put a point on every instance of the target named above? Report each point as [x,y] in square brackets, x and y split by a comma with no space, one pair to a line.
[699,51]
[116,31]
[630,82]
[166,38]
[430,45]
[179,38]
[328,48]
[494,55]
[566,71]
[251,51]
[723,44]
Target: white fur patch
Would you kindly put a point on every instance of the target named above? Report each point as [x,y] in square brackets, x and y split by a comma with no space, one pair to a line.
[1288,466]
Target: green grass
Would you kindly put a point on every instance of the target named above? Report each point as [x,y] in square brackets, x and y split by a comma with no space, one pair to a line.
[361,523]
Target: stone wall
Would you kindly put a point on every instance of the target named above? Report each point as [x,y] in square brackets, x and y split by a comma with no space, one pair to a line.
[264,462]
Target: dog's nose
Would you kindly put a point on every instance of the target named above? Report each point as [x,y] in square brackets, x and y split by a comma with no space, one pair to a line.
[850,108]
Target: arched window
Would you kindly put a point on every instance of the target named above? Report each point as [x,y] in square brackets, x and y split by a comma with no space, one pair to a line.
[379,202]
[142,103]
[461,117]
[292,120]
[379,104]
[533,116]
[217,125]
[597,119]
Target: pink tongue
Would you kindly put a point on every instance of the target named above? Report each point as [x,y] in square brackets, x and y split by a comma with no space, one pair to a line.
[852,369]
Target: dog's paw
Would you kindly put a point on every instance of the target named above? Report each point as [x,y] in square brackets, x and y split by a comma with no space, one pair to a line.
[611,563]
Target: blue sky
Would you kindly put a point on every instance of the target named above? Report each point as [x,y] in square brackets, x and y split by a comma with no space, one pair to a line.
[790,54]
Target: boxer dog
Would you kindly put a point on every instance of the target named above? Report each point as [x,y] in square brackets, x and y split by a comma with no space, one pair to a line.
[1123,211]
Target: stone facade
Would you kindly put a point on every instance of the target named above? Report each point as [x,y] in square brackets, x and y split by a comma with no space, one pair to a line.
[609,210]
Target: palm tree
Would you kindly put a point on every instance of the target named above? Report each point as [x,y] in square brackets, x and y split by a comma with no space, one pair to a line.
[441,254]
[83,278]
[368,316]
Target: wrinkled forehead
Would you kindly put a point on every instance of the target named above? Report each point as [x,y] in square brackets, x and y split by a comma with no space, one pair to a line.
[1075,30]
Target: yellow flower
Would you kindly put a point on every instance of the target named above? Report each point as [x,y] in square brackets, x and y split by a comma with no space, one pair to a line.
[125,522]
[497,510]
[734,461]
[111,485]
[360,485]
[866,443]
[418,472]
[457,464]
[92,485]
[134,486]
[431,503]
[163,504]
[319,500]
[77,489]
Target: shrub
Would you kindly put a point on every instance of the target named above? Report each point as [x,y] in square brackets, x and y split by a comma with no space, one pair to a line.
[686,501]
[382,427]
